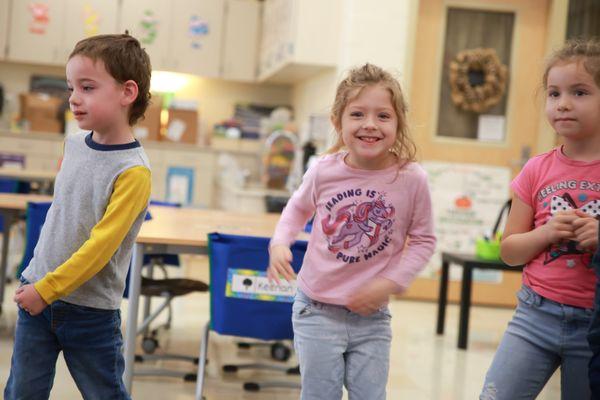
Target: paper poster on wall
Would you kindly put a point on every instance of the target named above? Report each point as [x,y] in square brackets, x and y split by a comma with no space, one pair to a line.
[466,201]
[180,185]
[490,128]
[40,18]
[149,26]
[197,30]
[91,21]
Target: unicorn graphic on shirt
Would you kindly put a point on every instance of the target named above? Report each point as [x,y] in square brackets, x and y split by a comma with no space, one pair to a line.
[353,222]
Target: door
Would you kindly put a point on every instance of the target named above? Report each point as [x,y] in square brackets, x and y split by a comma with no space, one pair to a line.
[512,124]
[240,40]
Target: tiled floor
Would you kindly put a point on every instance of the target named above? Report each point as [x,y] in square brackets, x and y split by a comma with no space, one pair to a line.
[424,365]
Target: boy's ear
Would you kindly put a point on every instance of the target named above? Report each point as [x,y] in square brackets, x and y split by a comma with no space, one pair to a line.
[130,92]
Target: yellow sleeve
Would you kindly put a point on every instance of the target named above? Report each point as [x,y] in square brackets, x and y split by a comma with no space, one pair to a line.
[130,197]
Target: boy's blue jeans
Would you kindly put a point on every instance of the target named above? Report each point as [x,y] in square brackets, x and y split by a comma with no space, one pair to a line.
[542,336]
[90,340]
[337,348]
[594,335]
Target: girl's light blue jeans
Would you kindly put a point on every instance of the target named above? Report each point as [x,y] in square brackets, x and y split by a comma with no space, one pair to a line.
[542,336]
[337,348]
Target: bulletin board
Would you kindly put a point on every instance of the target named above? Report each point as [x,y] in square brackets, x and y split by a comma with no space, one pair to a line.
[466,201]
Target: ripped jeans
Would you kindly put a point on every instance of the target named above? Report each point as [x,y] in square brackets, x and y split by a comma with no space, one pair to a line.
[542,336]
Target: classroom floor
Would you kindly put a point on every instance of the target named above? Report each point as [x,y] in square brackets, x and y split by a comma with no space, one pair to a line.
[423,365]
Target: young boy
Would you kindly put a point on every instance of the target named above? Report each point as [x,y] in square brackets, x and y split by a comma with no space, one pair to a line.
[72,289]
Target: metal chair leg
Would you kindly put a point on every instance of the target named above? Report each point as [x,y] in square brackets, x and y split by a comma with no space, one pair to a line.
[202,362]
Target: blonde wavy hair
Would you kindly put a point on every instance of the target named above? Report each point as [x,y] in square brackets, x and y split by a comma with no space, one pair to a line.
[349,88]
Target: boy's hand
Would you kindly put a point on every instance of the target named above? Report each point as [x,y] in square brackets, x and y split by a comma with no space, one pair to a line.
[280,257]
[586,231]
[560,227]
[28,298]
[370,297]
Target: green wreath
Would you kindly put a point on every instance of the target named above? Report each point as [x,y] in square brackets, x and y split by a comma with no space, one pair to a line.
[477,79]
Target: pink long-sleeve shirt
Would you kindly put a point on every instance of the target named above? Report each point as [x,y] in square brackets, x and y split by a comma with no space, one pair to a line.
[367,224]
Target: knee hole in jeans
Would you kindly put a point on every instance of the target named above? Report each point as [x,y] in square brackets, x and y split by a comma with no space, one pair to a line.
[489,392]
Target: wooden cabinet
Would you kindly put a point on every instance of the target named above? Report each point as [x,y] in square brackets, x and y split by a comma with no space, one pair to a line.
[149,22]
[3,27]
[45,31]
[88,18]
[36,31]
[299,38]
[241,40]
[210,38]
[181,35]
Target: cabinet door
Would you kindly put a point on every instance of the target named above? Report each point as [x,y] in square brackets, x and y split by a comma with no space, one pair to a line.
[36,31]
[196,36]
[3,27]
[88,18]
[278,25]
[240,41]
[149,21]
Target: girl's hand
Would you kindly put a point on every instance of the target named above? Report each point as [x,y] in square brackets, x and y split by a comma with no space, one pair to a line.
[280,257]
[586,231]
[560,227]
[28,298]
[370,297]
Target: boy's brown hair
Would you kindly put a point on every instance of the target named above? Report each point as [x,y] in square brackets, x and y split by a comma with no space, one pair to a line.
[124,59]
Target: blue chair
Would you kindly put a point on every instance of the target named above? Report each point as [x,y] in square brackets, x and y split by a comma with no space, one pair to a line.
[237,266]
[35,218]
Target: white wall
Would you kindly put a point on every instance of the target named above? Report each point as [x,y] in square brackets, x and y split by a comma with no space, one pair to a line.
[376,31]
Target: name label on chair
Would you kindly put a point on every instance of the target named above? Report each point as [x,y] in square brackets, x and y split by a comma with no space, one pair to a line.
[252,284]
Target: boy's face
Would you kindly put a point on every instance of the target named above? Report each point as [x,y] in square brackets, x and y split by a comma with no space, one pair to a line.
[97,99]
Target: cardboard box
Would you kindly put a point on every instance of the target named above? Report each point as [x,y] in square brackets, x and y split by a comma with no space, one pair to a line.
[41,112]
[149,127]
[182,126]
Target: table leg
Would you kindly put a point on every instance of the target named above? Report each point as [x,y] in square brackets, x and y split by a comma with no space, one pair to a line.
[135,282]
[443,298]
[465,306]
[148,299]
[9,218]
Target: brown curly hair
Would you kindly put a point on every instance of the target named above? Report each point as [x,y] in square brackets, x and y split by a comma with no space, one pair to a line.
[349,88]
[577,50]
[124,59]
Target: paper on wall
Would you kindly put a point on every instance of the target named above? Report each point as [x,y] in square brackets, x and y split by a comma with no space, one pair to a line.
[176,129]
